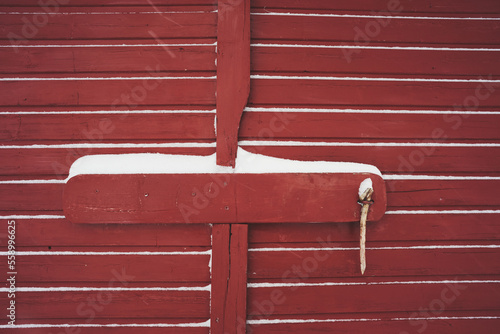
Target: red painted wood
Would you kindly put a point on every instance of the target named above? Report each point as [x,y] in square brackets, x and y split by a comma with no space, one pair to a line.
[108,93]
[119,330]
[219,198]
[401,194]
[372,298]
[430,227]
[113,26]
[60,233]
[407,6]
[410,63]
[107,127]
[229,278]
[56,162]
[233,75]
[384,326]
[309,125]
[254,125]
[123,304]
[65,270]
[367,93]
[293,266]
[108,59]
[404,159]
[357,31]
[113,2]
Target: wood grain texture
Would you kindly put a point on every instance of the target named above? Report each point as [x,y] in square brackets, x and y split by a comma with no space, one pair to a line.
[349,61]
[302,92]
[233,75]
[407,6]
[108,93]
[354,299]
[111,26]
[219,198]
[369,30]
[120,304]
[66,270]
[125,59]
[298,266]
[229,278]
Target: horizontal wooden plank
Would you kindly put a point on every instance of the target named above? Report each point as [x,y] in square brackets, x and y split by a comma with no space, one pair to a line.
[102,268]
[409,227]
[375,298]
[435,193]
[405,6]
[58,233]
[112,304]
[288,266]
[310,124]
[109,26]
[254,125]
[403,159]
[52,162]
[146,329]
[56,162]
[368,92]
[347,60]
[382,326]
[104,127]
[8,3]
[370,30]
[172,198]
[110,93]
[107,59]
[421,194]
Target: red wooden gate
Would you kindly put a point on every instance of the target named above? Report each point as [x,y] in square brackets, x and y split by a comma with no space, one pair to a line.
[411,87]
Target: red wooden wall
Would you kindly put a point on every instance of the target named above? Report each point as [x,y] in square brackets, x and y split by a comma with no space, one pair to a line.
[409,86]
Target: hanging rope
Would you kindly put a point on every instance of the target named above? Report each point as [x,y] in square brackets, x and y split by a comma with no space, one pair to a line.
[365,199]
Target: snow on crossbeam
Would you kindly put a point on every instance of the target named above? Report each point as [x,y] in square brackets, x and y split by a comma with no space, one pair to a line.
[158,188]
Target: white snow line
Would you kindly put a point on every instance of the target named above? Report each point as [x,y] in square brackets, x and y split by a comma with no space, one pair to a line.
[286,285]
[62,253]
[246,163]
[326,78]
[312,249]
[32,181]
[118,112]
[101,145]
[440,177]
[304,321]
[378,16]
[85,289]
[104,45]
[367,111]
[347,144]
[106,78]
[33,217]
[365,47]
[441,212]
[160,325]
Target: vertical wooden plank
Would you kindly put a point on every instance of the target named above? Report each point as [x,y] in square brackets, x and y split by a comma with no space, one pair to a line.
[233,75]
[229,278]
